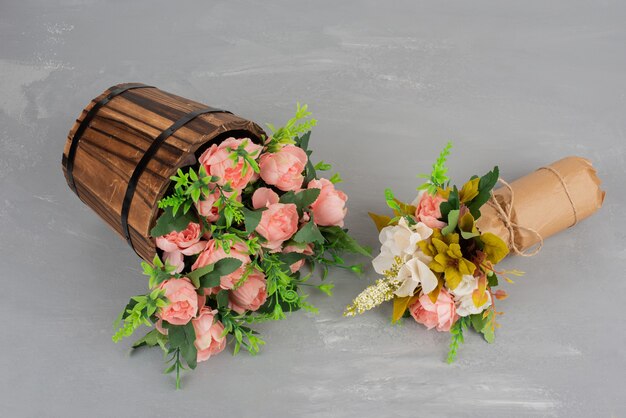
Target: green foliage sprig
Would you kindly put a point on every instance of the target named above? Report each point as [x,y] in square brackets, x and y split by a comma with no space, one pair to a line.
[138,312]
[456,334]
[296,126]
[437,178]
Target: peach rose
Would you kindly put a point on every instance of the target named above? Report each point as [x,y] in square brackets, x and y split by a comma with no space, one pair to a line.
[264,197]
[441,314]
[428,210]
[207,206]
[159,324]
[329,208]
[176,244]
[212,254]
[183,301]
[300,249]
[209,338]
[218,162]
[283,169]
[250,295]
[278,223]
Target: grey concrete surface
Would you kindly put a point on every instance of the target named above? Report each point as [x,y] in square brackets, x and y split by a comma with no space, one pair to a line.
[518,84]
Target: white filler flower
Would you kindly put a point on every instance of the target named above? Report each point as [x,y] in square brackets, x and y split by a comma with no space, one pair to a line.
[399,242]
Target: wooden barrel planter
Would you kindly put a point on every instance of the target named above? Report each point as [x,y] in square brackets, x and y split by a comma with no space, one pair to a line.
[128,142]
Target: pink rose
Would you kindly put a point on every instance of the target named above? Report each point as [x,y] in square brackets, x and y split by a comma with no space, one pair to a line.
[428,210]
[183,301]
[329,208]
[283,169]
[441,314]
[176,244]
[264,197]
[218,162]
[209,338]
[279,222]
[207,206]
[212,254]
[300,249]
[250,295]
[159,324]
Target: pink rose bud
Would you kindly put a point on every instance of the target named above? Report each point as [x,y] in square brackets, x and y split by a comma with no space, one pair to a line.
[183,301]
[441,314]
[217,161]
[283,169]
[250,295]
[329,209]
[209,339]
[428,211]
[300,249]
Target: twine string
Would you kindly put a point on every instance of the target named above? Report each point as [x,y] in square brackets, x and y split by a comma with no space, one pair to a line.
[569,195]
[504,214]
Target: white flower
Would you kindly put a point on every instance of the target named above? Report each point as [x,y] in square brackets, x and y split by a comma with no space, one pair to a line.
[463,297]
[465,287]
[412,274]
[401,241]
[465,305]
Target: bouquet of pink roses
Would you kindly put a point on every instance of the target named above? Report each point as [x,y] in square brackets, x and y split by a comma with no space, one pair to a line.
[234,234]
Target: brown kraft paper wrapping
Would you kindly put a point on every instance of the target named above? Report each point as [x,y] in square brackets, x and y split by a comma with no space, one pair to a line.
[541,205]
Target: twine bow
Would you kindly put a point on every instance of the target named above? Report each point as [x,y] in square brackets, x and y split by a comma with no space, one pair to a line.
[504,213]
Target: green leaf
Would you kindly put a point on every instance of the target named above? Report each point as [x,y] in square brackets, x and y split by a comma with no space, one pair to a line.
[478,322]
[453,219]
[169,222]
[309,233]
[151,339]
[290,258]
[336,178]
[303,199]
[343,241]
[484,324]
[252,218]
[451,204]
[197,274]
[182,337]
[303,141]
[391,201]
[222,299]
[485,185]
[222,267]
[492,280]
[322,166]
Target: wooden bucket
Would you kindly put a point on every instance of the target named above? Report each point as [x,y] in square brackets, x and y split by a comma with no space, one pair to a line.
[126,144]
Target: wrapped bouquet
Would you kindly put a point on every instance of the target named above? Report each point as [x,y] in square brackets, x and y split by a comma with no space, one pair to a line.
[439,255]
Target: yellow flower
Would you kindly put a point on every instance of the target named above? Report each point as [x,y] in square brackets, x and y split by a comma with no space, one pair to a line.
[450,261]
[445,193]
[467,226]
[494,247]
[469,190]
